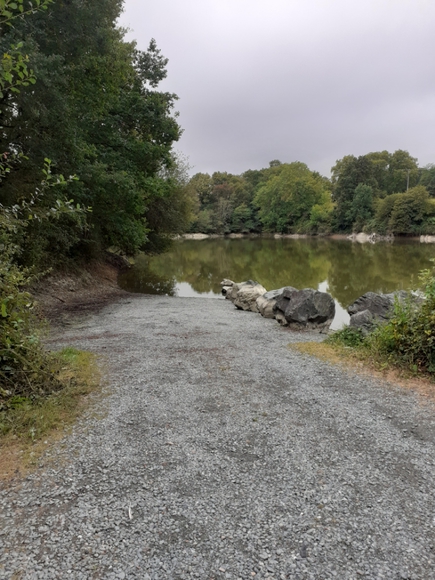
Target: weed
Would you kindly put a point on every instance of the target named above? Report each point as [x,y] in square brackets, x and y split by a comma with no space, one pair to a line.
[26,422]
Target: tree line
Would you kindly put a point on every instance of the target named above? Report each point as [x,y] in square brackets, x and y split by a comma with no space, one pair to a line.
[381,192]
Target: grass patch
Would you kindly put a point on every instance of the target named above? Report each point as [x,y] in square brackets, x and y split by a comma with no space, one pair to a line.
[28,426]
[335,354]
[362,361]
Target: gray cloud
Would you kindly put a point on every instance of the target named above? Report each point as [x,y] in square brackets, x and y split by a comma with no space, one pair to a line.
[306,80]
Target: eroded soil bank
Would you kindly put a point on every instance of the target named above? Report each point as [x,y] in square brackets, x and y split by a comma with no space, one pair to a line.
[62,297]
[221,453]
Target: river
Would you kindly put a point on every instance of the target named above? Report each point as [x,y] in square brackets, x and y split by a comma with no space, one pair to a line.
[343,268]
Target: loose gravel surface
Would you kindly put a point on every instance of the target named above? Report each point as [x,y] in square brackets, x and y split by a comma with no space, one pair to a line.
[224,454]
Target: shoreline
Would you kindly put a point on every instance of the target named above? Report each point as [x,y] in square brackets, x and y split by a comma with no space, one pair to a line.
[360,237]
[62,297]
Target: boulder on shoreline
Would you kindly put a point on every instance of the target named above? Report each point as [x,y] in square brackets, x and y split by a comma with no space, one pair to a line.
[305,309]
[243,295]
[266,303]
[371,308]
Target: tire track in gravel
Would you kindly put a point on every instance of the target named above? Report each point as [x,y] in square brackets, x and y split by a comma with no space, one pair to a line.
[224,454]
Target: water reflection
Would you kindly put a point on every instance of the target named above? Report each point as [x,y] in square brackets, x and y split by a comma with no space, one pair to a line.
[347,269]
[142,279]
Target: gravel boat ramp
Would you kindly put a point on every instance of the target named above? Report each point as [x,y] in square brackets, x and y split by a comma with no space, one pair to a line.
[224,454]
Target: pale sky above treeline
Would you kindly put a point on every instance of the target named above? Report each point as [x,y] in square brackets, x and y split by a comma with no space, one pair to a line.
[294,80]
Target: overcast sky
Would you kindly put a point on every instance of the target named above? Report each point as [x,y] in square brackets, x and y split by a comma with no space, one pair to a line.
[294,80]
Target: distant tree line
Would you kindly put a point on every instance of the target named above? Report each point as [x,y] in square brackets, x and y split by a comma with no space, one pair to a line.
[382,192]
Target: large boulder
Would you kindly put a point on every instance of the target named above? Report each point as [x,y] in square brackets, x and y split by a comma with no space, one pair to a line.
[363,320]
[282,301]
[371,308]
[305,309]
[247,294]
[310,308]
[266,303]
[378,304]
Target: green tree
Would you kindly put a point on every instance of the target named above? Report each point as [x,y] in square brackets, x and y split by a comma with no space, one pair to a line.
[362,209]
[285,201]
[96,112]
[385,173]
[427,178]
[409,211]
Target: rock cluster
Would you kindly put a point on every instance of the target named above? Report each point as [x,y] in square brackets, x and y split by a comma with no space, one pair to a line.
[297,309]
[371,308]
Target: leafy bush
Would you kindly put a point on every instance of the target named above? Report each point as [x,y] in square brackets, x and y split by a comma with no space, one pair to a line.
[26,370]
[351,337]
[408,338]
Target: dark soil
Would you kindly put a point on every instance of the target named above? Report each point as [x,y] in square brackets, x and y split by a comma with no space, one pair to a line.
[62,296]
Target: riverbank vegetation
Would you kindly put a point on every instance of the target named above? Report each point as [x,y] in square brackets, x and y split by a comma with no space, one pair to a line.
[76,100]
[406,341]
[381,192]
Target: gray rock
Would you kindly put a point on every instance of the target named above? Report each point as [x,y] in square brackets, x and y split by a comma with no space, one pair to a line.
[363,320]
[247,294]
[378,304]
[283,299]
[372,308]
[309,308]
[266,303]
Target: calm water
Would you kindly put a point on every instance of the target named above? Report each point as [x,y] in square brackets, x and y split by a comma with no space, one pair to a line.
[344,269]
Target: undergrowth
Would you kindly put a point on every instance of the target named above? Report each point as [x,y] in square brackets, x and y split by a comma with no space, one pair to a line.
[405,341]
[30,418]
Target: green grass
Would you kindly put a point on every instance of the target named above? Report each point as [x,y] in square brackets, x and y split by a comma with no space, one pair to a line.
[28,426]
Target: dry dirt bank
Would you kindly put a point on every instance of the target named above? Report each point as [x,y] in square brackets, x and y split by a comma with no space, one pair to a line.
[62,297]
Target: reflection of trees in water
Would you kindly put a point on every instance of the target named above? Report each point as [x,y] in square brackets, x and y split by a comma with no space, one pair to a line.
[357,269]
[144,280]
[273,263]
[350,269]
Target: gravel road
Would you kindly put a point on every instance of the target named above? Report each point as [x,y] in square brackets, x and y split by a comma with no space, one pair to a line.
[225,454]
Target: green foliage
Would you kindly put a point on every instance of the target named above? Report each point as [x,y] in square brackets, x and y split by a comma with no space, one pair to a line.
[321,215]
[97,113]
[383,172]
[427,178]
[289,198]
[26,369]
[285,201]
[405,213]
[349,337]
[408,338]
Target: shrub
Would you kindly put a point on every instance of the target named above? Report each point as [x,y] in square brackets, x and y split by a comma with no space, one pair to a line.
[26,370]
[408,338]
[350,337]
